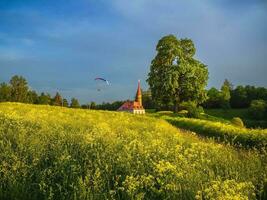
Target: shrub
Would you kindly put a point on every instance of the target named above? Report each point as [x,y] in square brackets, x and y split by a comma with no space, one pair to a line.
[183,112]
[193,110]
[257,109]
[237,122]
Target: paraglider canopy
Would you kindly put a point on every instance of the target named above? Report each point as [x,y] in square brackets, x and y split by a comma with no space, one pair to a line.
[101,83]
[102,79]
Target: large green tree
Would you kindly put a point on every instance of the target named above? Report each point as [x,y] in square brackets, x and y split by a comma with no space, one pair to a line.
[19,89]
[175,76]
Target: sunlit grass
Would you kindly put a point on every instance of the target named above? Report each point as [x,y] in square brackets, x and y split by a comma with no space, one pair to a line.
[58,153]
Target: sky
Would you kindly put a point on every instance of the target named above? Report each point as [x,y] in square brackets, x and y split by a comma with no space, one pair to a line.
[62,45]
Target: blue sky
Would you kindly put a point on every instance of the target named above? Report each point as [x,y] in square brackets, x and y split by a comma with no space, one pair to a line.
[62,45]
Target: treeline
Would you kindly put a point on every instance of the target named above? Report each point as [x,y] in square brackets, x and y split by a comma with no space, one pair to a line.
[228,96]
[251,97]
[238,97]
[17,90]
[254,98]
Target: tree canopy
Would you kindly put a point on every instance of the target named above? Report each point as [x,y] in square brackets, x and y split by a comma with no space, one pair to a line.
[57,100]
[74,103]
[225,94]
[19,89]
[175,76]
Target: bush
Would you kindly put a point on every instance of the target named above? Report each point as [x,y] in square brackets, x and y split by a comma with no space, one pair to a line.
[183,112]
[193,110]
[237,122]
[257,109]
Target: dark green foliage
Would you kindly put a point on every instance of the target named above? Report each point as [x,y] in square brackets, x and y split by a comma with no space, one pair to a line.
[19,89]
[219,99]
[33,97]
[175,76]
[57,100]
[214,98]
[108,106]
[147,100]
[74,103]
[5,92]
[86,106]
[255,123]
[65,103]
[193,110]
[225,94]
[44,99]
[241,97]
[228,114]
[93,105]
[237,122]
[225,115]
[257,109]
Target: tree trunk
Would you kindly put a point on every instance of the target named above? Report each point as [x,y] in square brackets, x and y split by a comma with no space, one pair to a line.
[176,104]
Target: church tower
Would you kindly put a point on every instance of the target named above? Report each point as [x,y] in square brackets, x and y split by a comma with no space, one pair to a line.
[138,97]
[136,106]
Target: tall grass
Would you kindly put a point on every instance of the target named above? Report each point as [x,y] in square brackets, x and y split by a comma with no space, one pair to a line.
[56,153]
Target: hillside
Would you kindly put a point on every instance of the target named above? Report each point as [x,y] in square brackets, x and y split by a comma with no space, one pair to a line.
[59,153]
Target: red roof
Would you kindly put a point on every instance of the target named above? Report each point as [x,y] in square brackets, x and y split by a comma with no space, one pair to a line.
[131,105]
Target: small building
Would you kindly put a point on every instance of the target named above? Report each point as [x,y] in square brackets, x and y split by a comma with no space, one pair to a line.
[136,106]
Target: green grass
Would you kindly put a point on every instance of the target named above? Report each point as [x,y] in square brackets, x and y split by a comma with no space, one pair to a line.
[224,132]
[228,114]
[58,153]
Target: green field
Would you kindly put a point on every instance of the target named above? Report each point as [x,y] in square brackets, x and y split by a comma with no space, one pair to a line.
[59,153]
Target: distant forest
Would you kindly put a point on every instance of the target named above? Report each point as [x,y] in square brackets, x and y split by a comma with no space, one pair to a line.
[228,96]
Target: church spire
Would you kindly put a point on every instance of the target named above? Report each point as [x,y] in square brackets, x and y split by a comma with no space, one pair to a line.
[138,97]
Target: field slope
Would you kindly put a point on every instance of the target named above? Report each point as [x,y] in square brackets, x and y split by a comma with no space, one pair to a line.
[58,153]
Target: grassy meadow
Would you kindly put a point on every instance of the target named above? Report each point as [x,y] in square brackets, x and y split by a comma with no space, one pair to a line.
[51,152]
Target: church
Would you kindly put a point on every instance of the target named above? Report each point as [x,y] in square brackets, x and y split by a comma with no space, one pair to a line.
[136,106]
